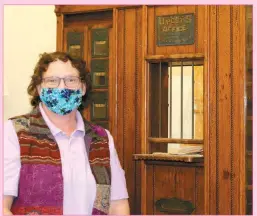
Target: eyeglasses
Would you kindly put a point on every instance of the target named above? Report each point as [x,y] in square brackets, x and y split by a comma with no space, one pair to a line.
[54,82]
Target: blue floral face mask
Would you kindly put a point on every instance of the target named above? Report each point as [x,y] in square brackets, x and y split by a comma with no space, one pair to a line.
[61,101]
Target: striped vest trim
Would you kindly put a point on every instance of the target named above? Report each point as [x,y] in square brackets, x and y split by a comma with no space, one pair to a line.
[41,180]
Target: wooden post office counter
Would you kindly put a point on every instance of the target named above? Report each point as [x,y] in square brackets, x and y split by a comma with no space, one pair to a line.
[174,183]
[165,77]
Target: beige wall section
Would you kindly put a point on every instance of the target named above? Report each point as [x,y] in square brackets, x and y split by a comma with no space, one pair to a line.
[28,31]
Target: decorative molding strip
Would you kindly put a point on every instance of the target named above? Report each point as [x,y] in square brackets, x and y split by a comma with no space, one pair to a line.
[155,58]
[217,110]
[232,110]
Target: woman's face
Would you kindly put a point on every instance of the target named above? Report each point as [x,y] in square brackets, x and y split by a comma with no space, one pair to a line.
[62,70]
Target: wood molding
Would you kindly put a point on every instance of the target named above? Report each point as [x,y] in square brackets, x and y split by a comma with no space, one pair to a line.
[207,110]
[72,9]
[210,154]
[239,111]
[168,157]
[144,111]
[59,32]
[114,79]
[194,56]
[171,140]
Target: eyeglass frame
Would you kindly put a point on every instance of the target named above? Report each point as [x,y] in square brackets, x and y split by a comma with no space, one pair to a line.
[62,78]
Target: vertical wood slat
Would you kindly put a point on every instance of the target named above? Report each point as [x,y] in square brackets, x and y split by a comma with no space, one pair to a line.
[87,53]
[144,110]
[200,36]
[112,85]
[113,76]
[232,120]
[120,82]
[59,32]
[239,132]
[138,83]
[224,110]
[211,155]
[208,111]
[150,29]
[129,100]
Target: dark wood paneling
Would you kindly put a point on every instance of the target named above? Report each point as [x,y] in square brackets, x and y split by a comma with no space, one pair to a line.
[112,84]
[120,82]
[238,130]
[207,120]
[165,183]
[185,183]
[224,110]
[138,83]
[129,69]
[212,155]
[143,112]
[129,100]
[149,193]
[200,11]
[199,191]
[180,182]
[151,40]
[59,32]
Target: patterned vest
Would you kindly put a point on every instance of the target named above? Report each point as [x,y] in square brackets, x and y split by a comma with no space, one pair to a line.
[41,180]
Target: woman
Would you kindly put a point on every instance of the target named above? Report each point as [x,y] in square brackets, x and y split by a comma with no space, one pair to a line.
[56,162]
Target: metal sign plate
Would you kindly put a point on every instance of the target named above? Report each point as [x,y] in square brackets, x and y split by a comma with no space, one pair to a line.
[176,29]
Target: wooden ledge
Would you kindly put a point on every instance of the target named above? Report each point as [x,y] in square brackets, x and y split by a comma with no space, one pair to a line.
[169,157]
[194,56]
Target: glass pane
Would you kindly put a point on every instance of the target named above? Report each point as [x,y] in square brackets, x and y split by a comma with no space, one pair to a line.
[99,68]
[75,44]
[99,106]
[99,110]
[99,78]
[100,42]
[100,48]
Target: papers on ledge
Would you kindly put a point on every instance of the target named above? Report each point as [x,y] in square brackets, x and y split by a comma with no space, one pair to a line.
[182,150]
